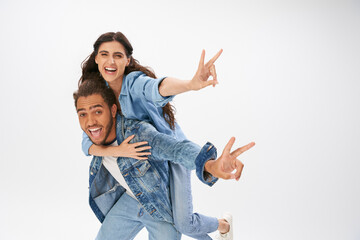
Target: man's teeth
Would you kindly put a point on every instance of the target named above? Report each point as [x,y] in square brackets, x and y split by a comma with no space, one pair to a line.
[94,129]
[95,132]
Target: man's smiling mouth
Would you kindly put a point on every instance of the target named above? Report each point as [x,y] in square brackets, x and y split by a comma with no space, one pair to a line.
[95,132]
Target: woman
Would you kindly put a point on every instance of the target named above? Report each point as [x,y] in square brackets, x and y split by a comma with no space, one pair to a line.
[142,96]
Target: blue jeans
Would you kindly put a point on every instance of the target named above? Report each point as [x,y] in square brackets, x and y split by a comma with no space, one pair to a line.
[191,224]
[127,217]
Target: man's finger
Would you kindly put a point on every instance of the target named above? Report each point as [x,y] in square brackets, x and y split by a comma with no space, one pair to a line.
[242,149]
[211,61]
[239,168]
[226,176]
[213,74]
[229,144]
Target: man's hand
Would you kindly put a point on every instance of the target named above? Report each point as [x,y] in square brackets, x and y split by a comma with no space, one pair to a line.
[227,162]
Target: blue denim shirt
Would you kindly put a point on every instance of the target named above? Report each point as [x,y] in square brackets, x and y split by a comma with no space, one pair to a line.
[147,179]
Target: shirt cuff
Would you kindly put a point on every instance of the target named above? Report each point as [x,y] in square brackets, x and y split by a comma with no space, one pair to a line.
[161,101]
[207,153]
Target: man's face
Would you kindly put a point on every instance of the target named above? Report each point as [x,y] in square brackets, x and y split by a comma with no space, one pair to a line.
[96,119]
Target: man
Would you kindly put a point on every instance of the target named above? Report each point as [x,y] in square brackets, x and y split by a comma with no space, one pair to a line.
[128,194]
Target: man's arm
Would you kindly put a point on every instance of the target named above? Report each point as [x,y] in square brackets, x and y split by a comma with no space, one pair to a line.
[191,156]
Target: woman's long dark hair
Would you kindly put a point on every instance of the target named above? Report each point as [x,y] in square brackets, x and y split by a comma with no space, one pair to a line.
[89,67]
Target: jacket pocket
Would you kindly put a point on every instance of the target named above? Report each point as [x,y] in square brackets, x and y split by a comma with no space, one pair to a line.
[145,175]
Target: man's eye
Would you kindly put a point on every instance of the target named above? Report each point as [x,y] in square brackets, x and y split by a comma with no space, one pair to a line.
[82,115]
[98,112]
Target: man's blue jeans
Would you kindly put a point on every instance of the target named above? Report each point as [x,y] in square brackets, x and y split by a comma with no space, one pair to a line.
[126,218]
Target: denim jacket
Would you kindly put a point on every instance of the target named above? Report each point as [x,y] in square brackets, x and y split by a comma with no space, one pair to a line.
[147,179]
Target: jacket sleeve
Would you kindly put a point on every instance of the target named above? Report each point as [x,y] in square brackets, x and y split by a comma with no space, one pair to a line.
[142,86]
[186,153]
[86,144]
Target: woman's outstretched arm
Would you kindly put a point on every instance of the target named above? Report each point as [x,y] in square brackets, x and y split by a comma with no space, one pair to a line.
[172,86]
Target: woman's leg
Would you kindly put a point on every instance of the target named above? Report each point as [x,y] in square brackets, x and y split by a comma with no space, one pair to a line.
[191,224]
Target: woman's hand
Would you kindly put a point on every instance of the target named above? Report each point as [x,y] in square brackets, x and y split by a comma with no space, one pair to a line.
[132,150]
[204,71]
[125,149]
[172,86]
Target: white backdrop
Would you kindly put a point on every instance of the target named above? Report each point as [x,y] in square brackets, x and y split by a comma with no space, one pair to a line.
[289,80]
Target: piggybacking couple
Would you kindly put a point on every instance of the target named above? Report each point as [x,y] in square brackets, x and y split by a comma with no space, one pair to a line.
[140,172]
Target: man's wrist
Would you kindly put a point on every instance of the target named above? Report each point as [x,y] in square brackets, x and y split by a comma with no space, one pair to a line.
[209,166]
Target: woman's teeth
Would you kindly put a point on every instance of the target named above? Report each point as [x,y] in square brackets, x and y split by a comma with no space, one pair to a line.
[110,69]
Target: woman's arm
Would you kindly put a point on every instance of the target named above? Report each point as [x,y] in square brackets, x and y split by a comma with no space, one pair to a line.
[171,86]
[125,149]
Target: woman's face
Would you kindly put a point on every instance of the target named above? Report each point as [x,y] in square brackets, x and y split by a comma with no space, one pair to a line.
[111,60]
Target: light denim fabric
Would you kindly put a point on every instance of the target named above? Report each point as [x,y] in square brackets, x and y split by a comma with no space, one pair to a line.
[147,179]
[140,99]
[126,219]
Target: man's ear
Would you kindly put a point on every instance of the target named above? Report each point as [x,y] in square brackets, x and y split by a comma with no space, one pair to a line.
[113,110]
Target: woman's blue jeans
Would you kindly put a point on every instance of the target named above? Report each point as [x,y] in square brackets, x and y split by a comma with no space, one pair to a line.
[194,225]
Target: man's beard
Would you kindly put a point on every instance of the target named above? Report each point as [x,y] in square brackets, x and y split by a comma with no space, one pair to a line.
[103,142]
[107,133]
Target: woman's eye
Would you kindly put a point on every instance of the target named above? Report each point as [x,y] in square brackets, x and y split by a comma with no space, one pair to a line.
[118,56]
[103,54]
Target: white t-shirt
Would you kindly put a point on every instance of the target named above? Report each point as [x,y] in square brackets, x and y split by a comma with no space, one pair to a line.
[110,163]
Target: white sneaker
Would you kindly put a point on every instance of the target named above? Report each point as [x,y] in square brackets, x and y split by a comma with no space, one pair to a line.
[229,234]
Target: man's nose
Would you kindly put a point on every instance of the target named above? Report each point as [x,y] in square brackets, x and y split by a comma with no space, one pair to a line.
[91,120]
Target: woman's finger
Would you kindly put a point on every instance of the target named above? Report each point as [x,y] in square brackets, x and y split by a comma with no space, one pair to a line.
[137,144]
[128,139]
[211,61]
[140,158]
[139,149]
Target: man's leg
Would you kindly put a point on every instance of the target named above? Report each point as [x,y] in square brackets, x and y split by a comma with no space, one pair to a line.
[123,222]
[192,224]
[159,230]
